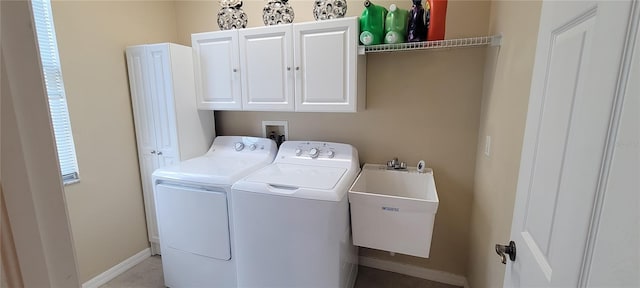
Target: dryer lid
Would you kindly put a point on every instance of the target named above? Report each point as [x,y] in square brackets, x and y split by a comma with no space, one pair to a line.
[298,176]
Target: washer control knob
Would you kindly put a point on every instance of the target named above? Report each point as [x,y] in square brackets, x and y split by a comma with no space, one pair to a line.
[298,152]
[313,153]
[239,146]
[331,154]
[252,147]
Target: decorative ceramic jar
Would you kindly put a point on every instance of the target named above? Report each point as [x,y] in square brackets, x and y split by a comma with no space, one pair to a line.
[231,15]
[329,9]
[277,12]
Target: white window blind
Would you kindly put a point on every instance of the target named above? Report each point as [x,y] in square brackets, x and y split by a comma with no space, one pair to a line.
[52,73]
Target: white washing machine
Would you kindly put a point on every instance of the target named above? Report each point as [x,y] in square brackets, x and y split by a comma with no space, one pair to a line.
[193,207]
[292,218]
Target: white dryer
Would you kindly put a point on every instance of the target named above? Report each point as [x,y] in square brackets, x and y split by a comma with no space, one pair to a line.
[193,202]
[292,218]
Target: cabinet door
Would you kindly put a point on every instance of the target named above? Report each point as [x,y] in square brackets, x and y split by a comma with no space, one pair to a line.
[144,114]
[326,65]
[161,89]
[148,164]
[266,63]
[142,101]
[159,75]
[217,70]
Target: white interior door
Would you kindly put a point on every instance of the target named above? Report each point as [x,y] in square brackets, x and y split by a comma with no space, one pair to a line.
[577,94]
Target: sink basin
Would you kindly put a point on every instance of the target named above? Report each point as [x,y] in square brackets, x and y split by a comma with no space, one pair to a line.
[393,210]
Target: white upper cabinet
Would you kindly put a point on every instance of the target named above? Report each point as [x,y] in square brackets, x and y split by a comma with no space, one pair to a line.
[266,62]
[326,65]
[308,67]
[217,70]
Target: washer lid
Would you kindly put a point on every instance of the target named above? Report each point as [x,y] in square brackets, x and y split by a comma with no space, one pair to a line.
[212,169]
[298,176]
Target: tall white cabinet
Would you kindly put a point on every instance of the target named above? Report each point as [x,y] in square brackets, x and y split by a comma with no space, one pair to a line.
[169,127]
[307,67]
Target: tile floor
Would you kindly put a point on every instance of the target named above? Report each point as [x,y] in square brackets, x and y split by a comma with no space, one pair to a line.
[148,274]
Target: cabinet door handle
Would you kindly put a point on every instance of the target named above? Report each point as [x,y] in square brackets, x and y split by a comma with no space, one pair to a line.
[298,68]
[235,70]
[159,153]
[153,152]
[288,68]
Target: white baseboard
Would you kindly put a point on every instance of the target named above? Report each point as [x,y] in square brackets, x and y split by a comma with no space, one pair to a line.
[415,271]
[115,271]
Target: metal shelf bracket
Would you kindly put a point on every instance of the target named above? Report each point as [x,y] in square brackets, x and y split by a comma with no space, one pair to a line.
[496,40]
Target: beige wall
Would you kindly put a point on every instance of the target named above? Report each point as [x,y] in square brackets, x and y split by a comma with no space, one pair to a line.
[106,207]
[420,105]
[504,109]
[465,18]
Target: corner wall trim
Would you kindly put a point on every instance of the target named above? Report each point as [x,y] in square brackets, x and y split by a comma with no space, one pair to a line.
[118,269]
[415,271]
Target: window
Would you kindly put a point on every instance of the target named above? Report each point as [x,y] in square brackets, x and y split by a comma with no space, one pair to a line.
[52,73]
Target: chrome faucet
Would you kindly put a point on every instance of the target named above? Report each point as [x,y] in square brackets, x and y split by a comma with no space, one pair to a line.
[396,165]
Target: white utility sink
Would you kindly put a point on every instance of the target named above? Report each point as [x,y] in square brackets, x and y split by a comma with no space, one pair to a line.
[393,210]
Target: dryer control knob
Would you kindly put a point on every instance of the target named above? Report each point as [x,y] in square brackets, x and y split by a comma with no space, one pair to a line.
[239,146]
[298,152]
[313,153]
[252,147]
[331,154]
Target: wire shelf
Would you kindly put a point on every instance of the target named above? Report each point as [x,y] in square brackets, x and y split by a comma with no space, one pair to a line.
[440,44]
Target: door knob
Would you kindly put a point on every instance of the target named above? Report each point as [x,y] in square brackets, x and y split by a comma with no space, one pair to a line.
[504,249]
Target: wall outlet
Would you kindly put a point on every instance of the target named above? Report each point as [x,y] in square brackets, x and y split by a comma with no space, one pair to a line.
[276,130]
[487,146]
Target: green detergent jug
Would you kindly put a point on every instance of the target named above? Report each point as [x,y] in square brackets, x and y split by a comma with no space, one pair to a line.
[395,25]
[372,24]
